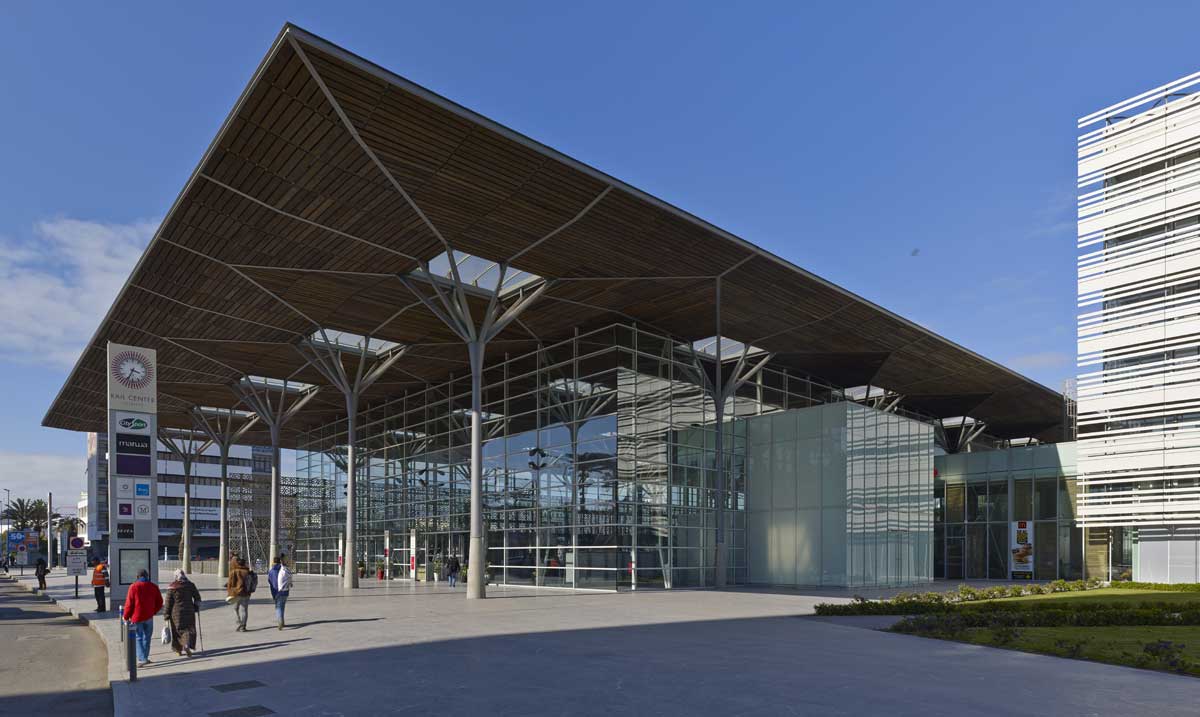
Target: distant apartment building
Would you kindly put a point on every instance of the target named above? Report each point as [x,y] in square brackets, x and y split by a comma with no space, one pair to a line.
[1139,334]
[249,471]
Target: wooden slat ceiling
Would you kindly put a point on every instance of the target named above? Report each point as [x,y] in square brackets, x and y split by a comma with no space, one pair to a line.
[289,223]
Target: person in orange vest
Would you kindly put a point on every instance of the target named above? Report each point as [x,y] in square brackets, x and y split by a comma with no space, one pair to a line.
[100,583]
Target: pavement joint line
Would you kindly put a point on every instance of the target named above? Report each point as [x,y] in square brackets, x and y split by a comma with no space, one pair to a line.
[251,711]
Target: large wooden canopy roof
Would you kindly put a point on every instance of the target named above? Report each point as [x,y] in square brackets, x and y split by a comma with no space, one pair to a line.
[333,177]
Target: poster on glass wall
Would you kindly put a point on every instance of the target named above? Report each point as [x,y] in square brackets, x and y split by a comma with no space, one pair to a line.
[1022,550]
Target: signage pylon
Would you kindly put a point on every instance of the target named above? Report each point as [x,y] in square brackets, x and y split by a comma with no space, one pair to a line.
[132,466]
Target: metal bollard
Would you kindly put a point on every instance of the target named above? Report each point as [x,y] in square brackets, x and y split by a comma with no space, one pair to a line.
[128,636]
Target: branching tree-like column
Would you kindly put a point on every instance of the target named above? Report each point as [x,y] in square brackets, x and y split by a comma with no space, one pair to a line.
[275,415]
[327,358]
[187,446]
[721,388]
[450,305]
[218,425]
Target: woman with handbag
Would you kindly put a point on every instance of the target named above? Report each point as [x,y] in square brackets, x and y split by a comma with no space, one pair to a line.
[183,604]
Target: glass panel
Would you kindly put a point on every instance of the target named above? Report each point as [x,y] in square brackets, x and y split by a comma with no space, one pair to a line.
[976,552]
[998,551]
[954,558]
[998,501]
[1022,499]
[1046,499]
[1045,551]
[939,551]
[955,497]
[1068,494]
[939,500]
[1070,552]
[977,501]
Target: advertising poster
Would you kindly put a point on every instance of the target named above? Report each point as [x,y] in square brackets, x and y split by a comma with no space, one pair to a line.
[1022,550]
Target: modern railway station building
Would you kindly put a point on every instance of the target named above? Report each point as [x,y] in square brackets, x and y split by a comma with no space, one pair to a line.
[479,346]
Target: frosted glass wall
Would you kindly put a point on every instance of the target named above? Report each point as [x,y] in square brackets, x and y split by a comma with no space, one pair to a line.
[839,495]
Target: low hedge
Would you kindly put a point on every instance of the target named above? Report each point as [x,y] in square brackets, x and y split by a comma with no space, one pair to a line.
[1165,587]
[887,607]
[954,622]
[931,602]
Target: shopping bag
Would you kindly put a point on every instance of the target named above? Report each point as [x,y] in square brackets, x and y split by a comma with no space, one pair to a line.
[166,634]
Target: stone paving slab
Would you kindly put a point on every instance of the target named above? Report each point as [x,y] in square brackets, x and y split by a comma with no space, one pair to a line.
[405,648]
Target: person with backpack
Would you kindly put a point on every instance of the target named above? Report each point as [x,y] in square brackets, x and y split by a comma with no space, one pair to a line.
[242,584]
[452,569]
[280,581]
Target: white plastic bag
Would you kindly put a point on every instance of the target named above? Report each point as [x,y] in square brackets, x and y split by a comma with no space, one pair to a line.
[166,634]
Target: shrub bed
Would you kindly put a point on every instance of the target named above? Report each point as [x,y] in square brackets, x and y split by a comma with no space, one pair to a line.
[931,602]
[1165,587]
[950,623]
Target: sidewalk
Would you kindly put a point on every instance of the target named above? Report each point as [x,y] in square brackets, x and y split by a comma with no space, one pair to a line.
[415,648]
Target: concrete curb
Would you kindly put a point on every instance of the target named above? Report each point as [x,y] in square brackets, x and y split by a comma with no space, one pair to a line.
[118,680]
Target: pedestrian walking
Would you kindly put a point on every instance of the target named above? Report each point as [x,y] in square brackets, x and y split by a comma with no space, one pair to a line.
[280,581]
[181,612]
[40,571]
[241,585]
[453,567]
[100,583]
[142,603]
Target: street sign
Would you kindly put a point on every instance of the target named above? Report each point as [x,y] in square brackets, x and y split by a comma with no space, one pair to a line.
[75,543]
[77,562]
[22,556]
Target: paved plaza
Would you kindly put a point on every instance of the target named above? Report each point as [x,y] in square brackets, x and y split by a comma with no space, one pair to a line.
[404,648]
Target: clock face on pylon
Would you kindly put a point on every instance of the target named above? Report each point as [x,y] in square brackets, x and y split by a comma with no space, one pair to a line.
[131,369]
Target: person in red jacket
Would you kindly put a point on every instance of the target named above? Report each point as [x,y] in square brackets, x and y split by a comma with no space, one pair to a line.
[142,603]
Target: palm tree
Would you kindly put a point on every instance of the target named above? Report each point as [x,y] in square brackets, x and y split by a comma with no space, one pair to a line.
[72,524]
[24,513]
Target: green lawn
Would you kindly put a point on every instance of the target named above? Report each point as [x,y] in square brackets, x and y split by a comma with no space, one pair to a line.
[1111,595]
[1114,645]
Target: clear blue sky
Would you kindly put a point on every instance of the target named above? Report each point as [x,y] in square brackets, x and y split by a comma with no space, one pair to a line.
[843,137]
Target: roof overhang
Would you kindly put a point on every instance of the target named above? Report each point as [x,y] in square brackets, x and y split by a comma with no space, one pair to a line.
[332,178]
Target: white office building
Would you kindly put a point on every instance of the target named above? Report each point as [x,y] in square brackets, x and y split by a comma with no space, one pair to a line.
[249,475]
[1139,333]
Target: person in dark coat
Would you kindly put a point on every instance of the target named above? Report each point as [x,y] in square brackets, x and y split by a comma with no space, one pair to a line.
[183,602]
[40,571]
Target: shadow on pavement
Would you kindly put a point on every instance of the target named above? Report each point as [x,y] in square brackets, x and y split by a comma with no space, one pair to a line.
[310,623]
[96,701]
[233,650]
[748,666]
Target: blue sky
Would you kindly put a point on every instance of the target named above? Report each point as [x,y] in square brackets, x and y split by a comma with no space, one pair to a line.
[921,155]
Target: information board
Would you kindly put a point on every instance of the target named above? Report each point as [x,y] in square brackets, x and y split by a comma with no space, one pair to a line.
[77,562]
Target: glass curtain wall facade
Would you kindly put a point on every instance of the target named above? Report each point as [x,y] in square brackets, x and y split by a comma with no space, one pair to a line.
[979,495]
[840,495]
[599,468]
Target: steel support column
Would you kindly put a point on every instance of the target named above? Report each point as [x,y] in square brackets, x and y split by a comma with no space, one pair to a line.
[721,391]
[452,308]
[275,415]
[187,447]
[217,424]
[326,358]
